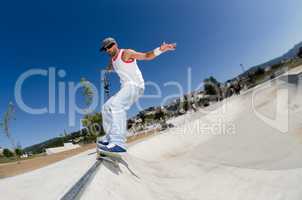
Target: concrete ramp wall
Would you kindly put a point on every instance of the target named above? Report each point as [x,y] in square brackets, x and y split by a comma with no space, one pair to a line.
[230,153]
[238,150]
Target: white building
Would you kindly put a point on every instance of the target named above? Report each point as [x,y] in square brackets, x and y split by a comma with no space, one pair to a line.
[1,150]
[268,68]
[24,155]
[66,147]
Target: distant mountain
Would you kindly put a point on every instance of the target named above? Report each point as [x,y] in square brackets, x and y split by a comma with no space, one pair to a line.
[54,142]
[290,54]
[293,52]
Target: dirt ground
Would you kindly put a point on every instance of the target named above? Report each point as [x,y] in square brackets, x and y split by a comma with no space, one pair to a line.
[15,168]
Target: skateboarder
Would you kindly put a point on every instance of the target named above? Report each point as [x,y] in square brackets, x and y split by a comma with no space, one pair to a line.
[114,111]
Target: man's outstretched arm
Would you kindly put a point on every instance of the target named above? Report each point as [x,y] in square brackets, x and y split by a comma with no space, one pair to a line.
[131,54]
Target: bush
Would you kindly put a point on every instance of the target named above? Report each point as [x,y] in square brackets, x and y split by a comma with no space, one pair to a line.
[89,139]
[8,153]
[211,86]
[260,71]
[276,66]
[300,53]
[210,89]
[18,152]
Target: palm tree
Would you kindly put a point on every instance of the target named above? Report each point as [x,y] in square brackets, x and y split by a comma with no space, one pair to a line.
[5,124]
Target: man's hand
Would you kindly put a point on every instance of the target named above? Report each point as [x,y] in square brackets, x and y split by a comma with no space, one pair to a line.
[109,69]
[167,47]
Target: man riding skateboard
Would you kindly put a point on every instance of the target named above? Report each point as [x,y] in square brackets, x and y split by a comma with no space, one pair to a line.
[114,111]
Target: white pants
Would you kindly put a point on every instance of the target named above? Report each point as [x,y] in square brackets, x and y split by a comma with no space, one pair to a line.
[114,114]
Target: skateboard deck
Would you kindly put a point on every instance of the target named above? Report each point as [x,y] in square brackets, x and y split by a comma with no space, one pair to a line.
[110,154]
[109,159]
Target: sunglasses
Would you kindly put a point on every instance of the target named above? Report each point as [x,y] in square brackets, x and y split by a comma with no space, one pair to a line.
[109,46]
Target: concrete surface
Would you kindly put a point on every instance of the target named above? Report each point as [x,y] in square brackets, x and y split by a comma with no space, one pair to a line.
[249,147]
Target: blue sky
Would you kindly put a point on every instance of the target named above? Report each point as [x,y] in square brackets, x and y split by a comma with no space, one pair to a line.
[213,38]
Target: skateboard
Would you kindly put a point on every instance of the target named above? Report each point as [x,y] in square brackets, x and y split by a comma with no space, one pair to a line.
[110,154]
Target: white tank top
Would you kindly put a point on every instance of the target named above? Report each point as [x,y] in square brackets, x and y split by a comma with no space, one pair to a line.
[128,72]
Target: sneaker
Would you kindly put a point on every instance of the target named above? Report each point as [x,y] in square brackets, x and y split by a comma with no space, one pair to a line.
[112,148]
[103,143]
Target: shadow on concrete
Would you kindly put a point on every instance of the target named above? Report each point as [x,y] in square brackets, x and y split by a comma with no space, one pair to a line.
[113,164]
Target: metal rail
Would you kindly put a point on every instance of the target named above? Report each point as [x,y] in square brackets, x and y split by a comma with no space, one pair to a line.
[77,190]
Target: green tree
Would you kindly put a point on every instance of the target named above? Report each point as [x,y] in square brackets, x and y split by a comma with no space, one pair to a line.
[93,122]
[299,54]
[8,153]
[276,66]
[213,80]
[211,86]
[87,91]
[159,115]
[142,116]
[18,152]
[185,104]
[259,71]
